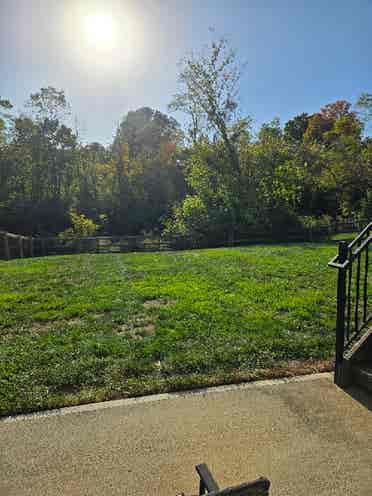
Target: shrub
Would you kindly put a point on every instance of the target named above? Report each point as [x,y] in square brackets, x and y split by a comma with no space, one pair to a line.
[82,226]
[189,219]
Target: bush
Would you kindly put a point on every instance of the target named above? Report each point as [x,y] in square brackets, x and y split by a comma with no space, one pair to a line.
[82,227]
[189,219]
[317,225]
[366,207]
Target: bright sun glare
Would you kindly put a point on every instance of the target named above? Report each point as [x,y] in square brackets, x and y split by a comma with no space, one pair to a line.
[100,30]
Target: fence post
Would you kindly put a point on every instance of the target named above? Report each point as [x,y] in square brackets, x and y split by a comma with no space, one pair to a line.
[6,247]
[341,305]
[20,243]
[43,249]
[31,246]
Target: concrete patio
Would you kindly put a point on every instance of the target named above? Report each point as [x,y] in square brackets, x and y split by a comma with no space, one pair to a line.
[305,434]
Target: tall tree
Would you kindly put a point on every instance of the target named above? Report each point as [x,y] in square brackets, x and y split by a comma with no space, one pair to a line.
[364,103]
[48,103]
[209,87]
[295,128]
[148,177]
[5,116]
[41,153]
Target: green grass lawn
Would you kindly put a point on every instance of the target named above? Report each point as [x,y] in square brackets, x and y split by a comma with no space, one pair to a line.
[82,328]
[344,236]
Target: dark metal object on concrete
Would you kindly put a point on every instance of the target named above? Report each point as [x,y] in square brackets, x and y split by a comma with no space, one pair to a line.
[258,487]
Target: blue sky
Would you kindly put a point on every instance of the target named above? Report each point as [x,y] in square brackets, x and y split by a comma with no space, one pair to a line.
[298,55]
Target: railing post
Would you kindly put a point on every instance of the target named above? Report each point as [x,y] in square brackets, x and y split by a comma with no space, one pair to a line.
[201,488]
[341,305]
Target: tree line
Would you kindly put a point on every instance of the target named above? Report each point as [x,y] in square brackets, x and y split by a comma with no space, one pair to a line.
[213,177]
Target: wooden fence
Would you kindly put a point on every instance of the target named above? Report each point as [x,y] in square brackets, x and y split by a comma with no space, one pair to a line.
[18,246]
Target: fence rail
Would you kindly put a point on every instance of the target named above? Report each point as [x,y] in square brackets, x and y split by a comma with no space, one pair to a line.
[354,309]
[19,246]
[16,246]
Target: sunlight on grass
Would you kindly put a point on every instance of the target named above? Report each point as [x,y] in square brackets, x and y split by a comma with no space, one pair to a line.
[91,327]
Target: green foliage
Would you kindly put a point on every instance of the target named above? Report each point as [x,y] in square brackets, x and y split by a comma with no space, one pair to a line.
[323,222]
[5,117]
[147,177]
[190,219]
[216,181]
[366,206]
[209,88]
[212,205]
[364,104]
[45,171]
[81,227]
[209,83]
[48,103]
[295,128]
[37,167]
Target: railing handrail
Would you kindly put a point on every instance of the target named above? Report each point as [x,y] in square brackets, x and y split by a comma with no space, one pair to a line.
[360,235]
[361,247]
[353,307]
[337,265]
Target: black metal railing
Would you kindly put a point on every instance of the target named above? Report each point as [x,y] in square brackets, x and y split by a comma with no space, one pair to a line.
[354,309]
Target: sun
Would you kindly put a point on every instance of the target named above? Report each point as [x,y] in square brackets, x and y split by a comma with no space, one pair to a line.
[100,30]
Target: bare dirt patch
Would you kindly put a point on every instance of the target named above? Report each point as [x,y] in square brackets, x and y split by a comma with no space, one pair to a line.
[148,330]
[157,303]
[98,316]
[141,326]
[41,327]
[75,321]
[141,319]
[123,328]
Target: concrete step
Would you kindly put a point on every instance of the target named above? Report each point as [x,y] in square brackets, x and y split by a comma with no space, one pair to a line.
[362,373]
